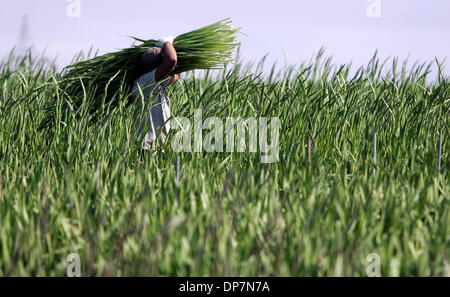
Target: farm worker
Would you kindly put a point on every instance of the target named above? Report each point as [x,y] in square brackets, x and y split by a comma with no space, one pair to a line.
[150,89]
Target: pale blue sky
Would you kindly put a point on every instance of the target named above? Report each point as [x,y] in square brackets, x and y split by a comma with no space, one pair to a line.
[289,31]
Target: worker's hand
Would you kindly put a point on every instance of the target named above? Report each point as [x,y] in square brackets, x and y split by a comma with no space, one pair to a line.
[164,40]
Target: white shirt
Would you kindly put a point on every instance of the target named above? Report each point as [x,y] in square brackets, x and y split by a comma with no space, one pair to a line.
[154,97]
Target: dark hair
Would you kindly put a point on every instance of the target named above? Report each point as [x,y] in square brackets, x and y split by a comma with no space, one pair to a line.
[152,58]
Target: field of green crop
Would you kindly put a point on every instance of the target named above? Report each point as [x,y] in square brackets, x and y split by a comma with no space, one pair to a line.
[83,189]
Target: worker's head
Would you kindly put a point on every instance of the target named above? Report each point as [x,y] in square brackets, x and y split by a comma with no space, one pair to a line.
[152,58]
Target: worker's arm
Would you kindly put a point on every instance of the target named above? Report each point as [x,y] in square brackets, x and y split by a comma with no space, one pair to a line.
[169,62]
